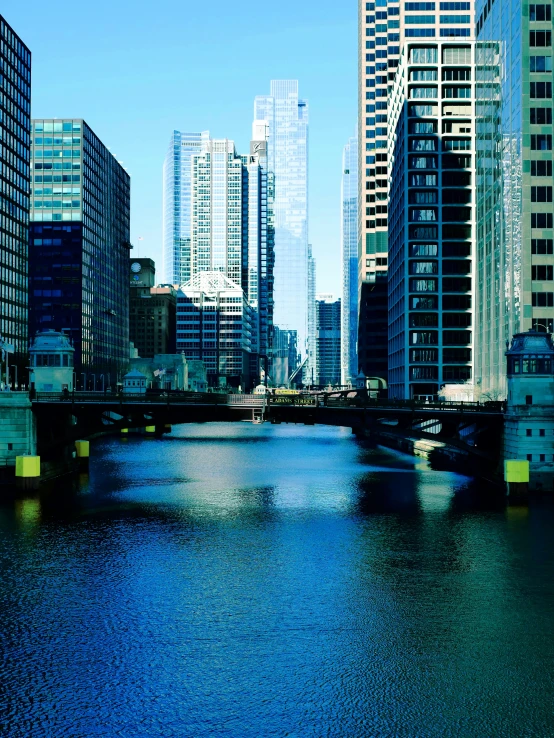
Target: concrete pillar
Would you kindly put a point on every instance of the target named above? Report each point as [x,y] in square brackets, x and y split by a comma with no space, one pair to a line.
[18,436]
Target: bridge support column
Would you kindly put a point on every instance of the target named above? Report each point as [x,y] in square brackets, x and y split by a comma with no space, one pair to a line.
[18,433]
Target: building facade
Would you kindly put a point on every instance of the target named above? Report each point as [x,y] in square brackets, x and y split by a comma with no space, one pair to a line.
[287,117]
[349,259]
[214,324]
[515,209]
[311,364]
[431,158]
[79,243]
[328,340]
[15,106]
[177,205]
[152,311]
[383,27]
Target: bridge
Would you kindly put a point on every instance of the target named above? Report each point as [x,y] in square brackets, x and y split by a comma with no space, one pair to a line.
[474,429]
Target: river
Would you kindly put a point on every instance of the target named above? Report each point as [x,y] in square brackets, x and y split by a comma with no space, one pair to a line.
[243,581]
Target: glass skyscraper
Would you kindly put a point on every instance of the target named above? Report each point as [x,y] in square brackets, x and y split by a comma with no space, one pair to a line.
[515,210]
[15,116]
[287,118]
[328,340]
[349,254]
[79,243]
[177,205]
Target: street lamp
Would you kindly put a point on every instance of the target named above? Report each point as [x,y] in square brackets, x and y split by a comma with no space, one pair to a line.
[542,325]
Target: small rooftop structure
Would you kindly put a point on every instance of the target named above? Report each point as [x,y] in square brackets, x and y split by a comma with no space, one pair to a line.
[134,383]
[51,362]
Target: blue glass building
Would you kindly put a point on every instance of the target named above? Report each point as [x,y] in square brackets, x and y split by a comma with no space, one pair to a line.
[515,209]
[177,205]
[287,118]
[15,117]
[79,245]
[349,252]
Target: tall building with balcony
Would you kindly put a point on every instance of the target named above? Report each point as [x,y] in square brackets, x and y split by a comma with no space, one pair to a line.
[431,158]
[79,243]
[287,117]
[328,340]
[177,205]
[515,209]
[349,258]
[15,111]
[215,323]
[384,26]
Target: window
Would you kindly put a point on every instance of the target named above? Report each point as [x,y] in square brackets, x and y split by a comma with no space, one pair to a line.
[544,325]
[542,433]
[419,20]
[423,144]
[423,285]
[456,75]
[541,246]
[542,457]
[540,12]
[422,162]
[541,168]
[427,197]
[541,194]
[453,19]
[419,6]
[423,355]
[540,38]
[541,142]
[422,126]
[457,55]
[423,303]
[419,215]
[456,92]
[423,249]
[541,90]
[541,220]
[424,267]
[424,320]
[422,180]
[423,75]
[423,55]
[540,64]
[423,92]
[543,299]
[529,456]
[448,32]
[423,372]
[424,337]
[528,432]
[457,144]
[541,116]
[456,179]
[528,401]
[542,272]
[455,6]
[419,33]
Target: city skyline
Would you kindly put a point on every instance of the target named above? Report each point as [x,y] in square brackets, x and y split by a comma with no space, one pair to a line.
[135,111]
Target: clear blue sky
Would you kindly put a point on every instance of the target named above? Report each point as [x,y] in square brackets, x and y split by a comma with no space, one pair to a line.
[137,70]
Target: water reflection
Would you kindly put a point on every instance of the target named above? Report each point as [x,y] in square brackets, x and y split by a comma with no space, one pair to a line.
[239,580]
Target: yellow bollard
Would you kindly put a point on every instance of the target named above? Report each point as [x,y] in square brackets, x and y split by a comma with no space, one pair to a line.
[83,449]
[124,431]
[27,466]
[516,476]
[150,429]
[83,452]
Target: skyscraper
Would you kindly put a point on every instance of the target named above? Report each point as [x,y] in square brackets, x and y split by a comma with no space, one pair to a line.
[383,27]
[432,220]
[349,258]
[177,205]
[328,340]
[287,118]
[79,243]
[515,209]
[15,86]
[311,364]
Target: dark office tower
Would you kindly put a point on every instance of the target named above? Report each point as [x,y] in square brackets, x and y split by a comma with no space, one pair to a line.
[328,322]
[15,119]
[152,311]
[79,244]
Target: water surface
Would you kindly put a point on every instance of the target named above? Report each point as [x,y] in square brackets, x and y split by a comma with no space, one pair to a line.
[249,581]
